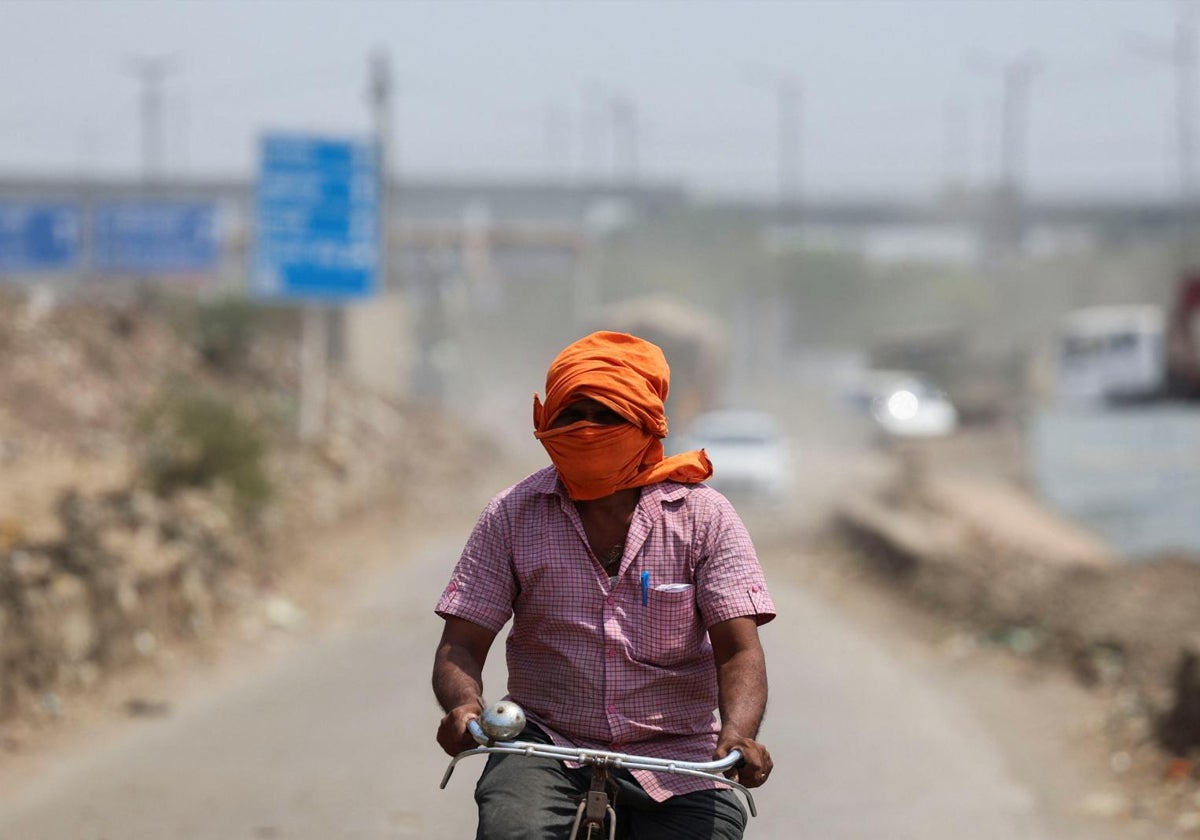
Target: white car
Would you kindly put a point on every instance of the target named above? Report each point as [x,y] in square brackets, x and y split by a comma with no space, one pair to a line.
[906,404]
[752,461]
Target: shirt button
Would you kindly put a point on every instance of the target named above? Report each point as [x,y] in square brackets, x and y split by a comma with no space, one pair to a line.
[754,588]
[609,599]
[612,710]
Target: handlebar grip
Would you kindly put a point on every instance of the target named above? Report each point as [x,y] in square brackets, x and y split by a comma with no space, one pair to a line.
[732,759]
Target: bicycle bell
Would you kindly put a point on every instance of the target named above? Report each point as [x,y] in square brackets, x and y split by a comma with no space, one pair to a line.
[502,721]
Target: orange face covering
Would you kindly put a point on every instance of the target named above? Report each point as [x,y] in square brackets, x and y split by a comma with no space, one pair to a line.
[631,377]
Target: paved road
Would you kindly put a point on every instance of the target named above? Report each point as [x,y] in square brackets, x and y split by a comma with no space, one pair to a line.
[335,741]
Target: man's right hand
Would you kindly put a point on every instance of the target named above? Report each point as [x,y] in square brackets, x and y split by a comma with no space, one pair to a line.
[458,680]
[453,736]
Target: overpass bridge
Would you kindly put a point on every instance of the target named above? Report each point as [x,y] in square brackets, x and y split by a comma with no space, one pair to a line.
[583,203]
[532,229]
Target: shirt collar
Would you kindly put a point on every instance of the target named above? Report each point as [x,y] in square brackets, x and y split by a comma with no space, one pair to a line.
[545,482]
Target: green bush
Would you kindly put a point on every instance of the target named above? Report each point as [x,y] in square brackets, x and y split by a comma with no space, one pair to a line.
[225,330]
[196,439]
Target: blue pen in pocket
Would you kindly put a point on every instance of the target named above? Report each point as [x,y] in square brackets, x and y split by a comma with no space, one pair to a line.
[645,588]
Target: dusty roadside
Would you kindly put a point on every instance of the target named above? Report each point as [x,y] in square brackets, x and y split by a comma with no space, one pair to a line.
[324,572]
[214,713]
[1049,728]
[305,603]
[1053,734]
[1072,677]
[152,525]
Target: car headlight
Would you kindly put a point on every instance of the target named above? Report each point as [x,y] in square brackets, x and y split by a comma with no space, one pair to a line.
[903,405]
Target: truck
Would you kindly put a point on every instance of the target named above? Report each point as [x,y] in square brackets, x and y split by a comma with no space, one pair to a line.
[1131,353]
[1118,448]
[1183,339]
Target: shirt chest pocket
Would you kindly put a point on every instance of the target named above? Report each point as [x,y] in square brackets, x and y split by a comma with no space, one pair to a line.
[667,628]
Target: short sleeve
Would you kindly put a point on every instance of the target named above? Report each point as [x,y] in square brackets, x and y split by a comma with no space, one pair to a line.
[730,582]
[482,587]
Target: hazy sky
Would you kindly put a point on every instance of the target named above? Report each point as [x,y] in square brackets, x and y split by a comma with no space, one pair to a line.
[898,95]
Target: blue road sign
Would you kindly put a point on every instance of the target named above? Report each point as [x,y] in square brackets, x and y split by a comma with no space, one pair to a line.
[317,219]
[39,236]
[150,236]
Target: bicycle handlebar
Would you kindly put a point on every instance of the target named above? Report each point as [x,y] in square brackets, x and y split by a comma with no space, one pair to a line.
[589,756]
[702,769]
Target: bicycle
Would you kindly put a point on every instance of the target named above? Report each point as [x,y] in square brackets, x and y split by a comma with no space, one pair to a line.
[497,728]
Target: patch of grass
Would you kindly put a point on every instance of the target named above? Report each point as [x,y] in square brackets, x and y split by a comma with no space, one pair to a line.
[193,438]
[225,330]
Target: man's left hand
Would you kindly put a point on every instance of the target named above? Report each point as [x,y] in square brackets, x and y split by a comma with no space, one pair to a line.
[756,764]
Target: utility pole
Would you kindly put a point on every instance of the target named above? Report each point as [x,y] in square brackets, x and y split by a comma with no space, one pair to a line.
[957,172]
[557,127]
[625,139]
[1004,222]
[1181,54]
[609,124]
[151,71]
[380,96]
[1017,76]
[592,121]
[764,316]
[786,90]
[1183,59]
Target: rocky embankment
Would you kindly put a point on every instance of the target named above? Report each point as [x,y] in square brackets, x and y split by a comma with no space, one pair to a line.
[151,483]
[128,572]
[983,555]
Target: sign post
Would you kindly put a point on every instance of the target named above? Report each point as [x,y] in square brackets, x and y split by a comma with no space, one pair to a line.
[318,241]
[314,354]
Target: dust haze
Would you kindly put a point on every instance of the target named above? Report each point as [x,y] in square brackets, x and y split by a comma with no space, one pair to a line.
[278,283]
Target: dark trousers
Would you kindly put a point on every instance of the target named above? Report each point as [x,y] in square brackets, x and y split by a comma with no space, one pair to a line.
[523,798]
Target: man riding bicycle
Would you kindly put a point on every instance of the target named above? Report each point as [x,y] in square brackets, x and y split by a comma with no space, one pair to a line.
[636,597]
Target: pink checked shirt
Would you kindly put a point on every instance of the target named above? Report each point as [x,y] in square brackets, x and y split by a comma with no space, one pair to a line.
[626,666]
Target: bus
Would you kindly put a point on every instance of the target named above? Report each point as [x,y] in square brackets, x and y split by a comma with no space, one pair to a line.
[1112,354]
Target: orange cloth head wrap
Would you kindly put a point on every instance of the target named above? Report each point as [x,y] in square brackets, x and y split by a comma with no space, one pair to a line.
[630,376]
